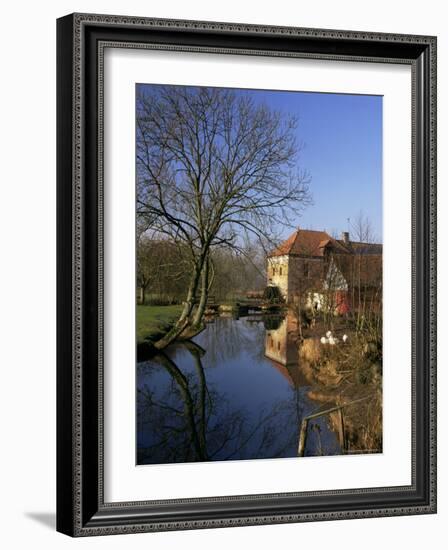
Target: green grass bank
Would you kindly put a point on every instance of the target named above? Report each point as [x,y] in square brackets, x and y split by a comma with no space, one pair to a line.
[155,321]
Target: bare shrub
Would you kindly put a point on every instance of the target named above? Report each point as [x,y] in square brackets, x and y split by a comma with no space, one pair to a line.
[310,351]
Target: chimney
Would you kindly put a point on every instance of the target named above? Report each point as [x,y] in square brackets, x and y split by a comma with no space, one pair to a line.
[346,237]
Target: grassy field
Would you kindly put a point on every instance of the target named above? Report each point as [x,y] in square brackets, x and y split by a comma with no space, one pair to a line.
[154,321]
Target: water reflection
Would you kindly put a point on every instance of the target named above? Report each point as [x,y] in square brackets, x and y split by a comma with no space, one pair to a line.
[281,347]
[237,392]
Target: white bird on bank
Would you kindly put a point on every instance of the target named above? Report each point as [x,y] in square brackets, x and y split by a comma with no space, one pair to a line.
[324,340]
[328,334]
[345,338]
[332,341]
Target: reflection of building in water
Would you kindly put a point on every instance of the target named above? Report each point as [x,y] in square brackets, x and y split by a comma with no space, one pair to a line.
[281,343]
[282,349]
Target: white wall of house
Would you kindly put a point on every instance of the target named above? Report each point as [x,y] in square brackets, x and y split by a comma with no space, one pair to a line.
[292,275]
[335,280]
[277,273]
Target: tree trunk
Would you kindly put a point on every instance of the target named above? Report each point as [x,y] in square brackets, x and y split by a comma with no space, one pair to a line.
[204,295]
[174,333]
[192,288]
[142,295]
[184,320]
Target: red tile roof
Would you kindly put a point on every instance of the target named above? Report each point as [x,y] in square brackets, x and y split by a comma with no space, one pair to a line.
[366,248]
[306,242]
[361,269]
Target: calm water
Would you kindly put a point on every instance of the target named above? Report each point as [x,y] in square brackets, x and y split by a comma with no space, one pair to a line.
[234,393]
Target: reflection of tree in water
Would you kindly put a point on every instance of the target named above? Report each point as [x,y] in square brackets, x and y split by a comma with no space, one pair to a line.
[226,338]
[191,421]
[272,322]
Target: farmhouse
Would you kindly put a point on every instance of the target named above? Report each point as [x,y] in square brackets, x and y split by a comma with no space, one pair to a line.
[314,268]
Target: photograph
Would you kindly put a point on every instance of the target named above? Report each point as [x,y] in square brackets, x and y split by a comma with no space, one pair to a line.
[259,274]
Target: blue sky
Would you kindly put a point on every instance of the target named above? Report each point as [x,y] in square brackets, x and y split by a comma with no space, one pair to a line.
[342,150]
[341,138]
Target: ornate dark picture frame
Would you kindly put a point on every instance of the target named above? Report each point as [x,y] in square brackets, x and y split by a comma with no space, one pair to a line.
[81,509]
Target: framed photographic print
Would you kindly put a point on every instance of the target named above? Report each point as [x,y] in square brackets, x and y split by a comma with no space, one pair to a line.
[246,274]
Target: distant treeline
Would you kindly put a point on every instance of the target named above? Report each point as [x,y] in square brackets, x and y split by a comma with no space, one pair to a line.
[163,272]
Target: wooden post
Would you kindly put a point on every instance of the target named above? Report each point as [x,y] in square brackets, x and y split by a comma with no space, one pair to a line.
[302,437]
[342,442]
[338,408]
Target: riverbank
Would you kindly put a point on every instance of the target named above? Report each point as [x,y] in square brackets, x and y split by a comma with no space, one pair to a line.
[155,321]
[348,375]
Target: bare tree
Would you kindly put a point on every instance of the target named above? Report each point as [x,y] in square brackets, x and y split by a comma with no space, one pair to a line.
[212,166]
[366,278]
[235,274]
[161,267]
[362,229]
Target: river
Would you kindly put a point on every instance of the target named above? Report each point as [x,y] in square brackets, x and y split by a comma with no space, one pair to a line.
[236,392]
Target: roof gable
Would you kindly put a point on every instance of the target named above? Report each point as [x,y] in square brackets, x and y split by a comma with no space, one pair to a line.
[307,242]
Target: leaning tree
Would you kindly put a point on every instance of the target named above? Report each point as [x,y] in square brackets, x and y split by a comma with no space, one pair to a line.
[213,165]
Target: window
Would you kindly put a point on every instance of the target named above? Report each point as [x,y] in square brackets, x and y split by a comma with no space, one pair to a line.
[305,269]
[280,271]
